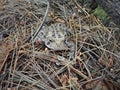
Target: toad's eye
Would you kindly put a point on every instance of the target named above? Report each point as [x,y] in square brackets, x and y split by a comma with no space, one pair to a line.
[41,33]
[53,35]
[59,36]
[48,43]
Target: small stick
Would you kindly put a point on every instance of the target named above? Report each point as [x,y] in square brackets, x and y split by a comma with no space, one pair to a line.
[40,27]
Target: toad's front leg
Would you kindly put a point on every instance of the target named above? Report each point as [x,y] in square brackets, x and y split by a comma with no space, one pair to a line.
[71,46]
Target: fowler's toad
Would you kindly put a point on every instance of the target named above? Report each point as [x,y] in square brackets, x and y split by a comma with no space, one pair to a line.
[55,37]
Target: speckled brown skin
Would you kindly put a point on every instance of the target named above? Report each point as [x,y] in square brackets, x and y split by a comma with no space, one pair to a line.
[55,36]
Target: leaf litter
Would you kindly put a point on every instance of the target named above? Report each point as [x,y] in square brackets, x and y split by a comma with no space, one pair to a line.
[28,66]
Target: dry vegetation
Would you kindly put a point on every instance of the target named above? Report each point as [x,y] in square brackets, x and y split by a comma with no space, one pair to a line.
[24,65]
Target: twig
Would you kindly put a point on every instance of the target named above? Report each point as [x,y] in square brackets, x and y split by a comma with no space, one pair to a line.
[40,27]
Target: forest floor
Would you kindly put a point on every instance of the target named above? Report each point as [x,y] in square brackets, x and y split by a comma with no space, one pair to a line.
[25,65]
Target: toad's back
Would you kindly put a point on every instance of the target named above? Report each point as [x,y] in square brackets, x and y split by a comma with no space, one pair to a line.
[54,36]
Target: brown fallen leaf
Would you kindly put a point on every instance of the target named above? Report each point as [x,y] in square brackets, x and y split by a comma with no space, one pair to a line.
[101,84]
[106,62]
[75,84]
[5,48]
[64,80]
